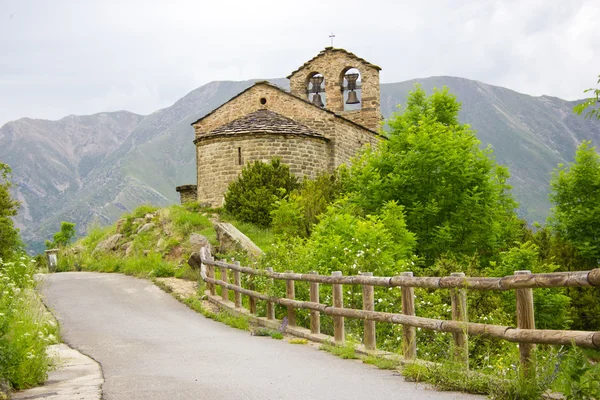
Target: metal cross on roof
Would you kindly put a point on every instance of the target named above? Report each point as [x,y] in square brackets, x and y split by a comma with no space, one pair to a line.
[331,37]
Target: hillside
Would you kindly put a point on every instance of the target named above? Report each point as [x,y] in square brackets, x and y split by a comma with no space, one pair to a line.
[143,160]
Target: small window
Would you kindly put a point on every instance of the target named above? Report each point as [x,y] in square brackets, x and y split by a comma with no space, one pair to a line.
[263,101]
[239,156]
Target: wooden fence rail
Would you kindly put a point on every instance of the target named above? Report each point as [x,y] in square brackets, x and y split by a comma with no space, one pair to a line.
[522,282]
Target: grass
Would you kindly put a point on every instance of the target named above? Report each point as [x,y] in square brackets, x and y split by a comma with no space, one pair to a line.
[449,376]
[274,334]
[381,362]
[159,252]
[235,321]
[346,351]
[25,327]
[262,237]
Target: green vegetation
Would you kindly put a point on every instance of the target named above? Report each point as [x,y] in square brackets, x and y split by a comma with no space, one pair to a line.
[297,213]
[262,237]
[9,236]
[346,351]
[590,106]
[454,195]
[272,333]
[564,371]
[251,197]
[381,362]
[26,329]
[149,243]
[63,237]
[235,321]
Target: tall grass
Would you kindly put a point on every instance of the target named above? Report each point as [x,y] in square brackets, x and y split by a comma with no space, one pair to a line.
[25,329]
[146,257]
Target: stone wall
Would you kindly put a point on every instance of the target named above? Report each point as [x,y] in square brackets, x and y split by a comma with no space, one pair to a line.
[219,159]
[333,64]
[187,193]
[346,137]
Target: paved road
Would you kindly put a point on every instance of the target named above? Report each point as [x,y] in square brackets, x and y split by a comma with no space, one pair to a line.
[152,347]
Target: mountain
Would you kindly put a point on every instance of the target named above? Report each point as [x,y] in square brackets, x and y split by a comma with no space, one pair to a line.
[94,168]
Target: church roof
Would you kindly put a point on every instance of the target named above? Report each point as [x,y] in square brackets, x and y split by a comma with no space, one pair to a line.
[333,50]
[263,121]
[267,83]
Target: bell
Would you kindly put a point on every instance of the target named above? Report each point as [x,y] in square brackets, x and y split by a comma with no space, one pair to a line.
[352,98]
[317,100]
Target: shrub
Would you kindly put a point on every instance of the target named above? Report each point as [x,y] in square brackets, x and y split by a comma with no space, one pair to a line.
[297,214]
[252,196]
[25,331]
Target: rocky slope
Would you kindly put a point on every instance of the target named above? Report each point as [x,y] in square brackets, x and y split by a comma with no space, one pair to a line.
[96,167]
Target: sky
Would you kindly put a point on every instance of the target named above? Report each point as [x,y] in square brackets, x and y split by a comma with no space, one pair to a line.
[62,57]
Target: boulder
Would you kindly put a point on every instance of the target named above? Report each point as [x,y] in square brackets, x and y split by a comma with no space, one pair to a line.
[120,224]
[161,244]
[145,227]
[231,239]
[149,217]
[109,244]
[197,241]
[128,247]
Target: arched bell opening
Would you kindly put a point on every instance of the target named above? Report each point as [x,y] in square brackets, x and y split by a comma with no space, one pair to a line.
[350,83]
[315,88]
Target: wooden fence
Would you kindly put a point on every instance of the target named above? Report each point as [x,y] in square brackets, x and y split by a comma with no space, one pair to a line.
[523,283]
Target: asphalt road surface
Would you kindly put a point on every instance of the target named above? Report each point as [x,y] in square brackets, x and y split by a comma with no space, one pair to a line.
[151,346]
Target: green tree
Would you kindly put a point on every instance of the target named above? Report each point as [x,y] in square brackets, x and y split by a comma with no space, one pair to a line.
[575,194]
[455,196]
[592,104]
[9,235]
[575,219]
[64,236]
[252,196]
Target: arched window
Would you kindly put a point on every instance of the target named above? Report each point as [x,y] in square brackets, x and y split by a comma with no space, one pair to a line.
[350,81]
[315,87]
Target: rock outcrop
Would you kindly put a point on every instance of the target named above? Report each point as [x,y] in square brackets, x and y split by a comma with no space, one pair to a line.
[231,239]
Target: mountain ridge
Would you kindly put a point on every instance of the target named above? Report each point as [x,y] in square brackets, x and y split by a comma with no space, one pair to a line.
[143,158]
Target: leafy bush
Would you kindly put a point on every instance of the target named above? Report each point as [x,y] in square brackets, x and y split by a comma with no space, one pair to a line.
[297,214]
[25,330]
[252,196]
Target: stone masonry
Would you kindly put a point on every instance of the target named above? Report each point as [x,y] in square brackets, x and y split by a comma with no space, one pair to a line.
[265,121]
[187,193]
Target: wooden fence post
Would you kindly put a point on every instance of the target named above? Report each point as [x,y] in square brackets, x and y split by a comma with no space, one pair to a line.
[237,281]
[290,294]
[459,313]
[224,278]
[210,272]
[369,305]
[251,300]
[270,305]
[408,332]
[338,302]
[525,320]
[315,316]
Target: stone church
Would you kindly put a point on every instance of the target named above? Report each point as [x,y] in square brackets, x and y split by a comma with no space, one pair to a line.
[330,112]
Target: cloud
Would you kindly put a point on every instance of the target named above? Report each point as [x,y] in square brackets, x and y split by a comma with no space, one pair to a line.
[72,57]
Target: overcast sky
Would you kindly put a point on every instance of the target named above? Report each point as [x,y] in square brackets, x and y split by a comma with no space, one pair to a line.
[60,57]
